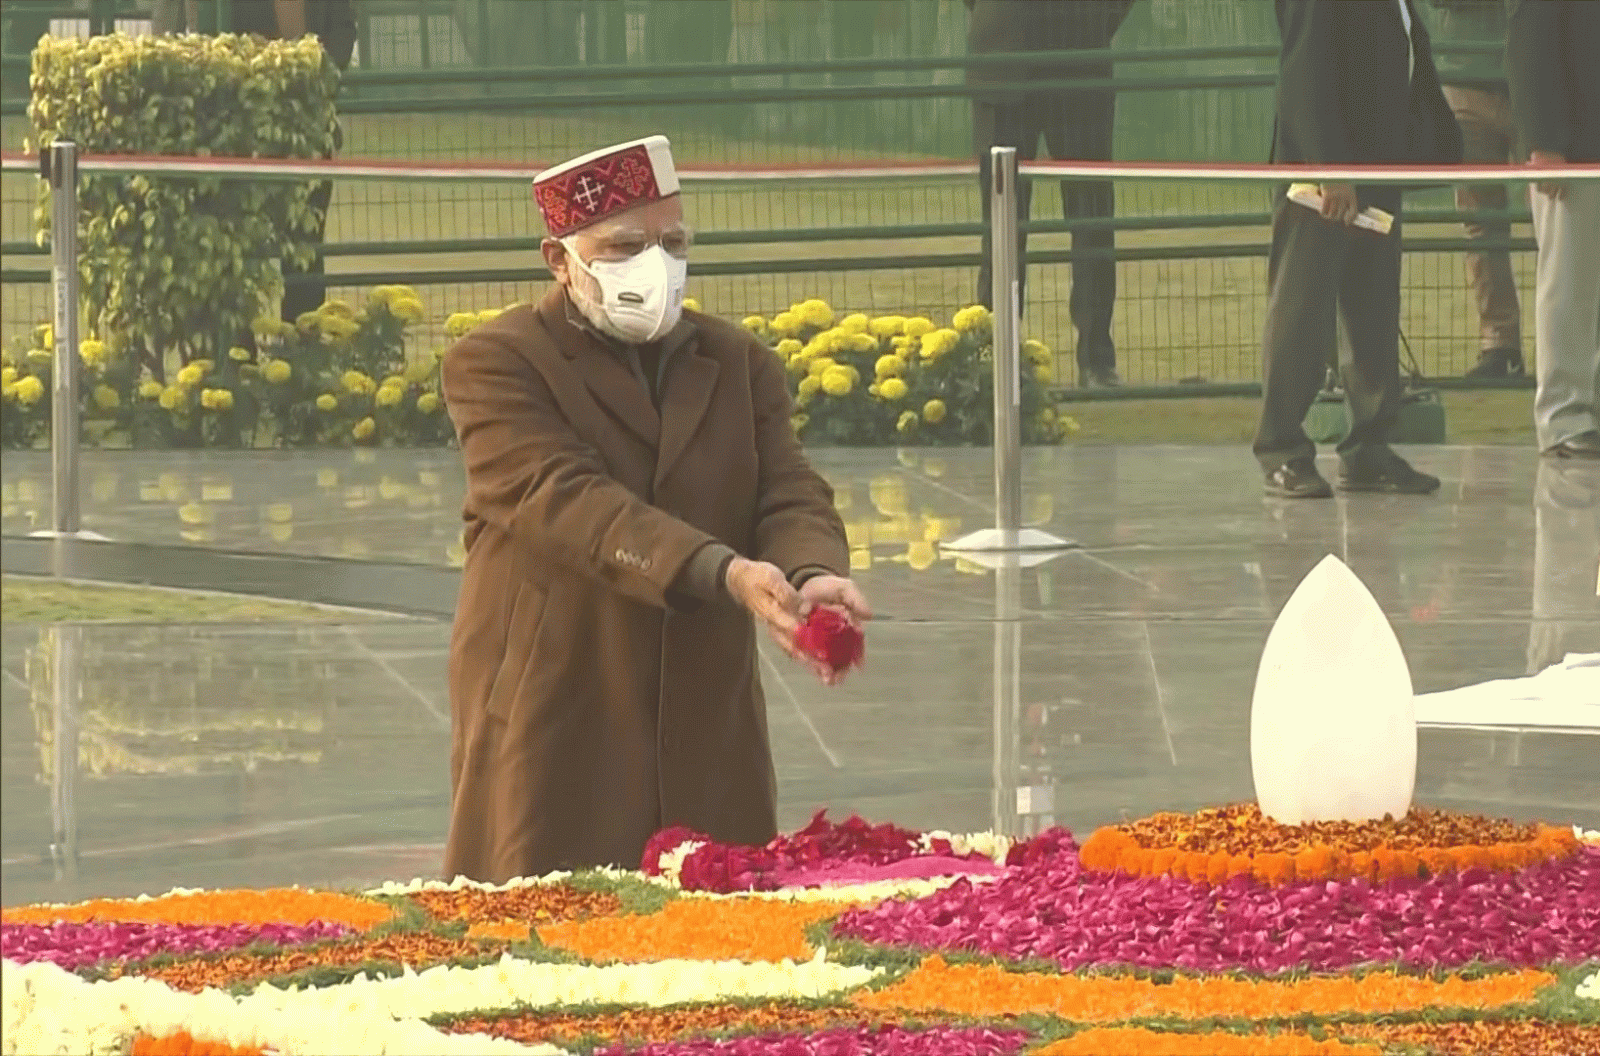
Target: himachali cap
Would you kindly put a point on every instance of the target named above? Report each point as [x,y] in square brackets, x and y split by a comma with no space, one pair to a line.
[585,190]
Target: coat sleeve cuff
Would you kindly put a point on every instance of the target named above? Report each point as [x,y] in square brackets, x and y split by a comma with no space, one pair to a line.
[798,577]
[704,578]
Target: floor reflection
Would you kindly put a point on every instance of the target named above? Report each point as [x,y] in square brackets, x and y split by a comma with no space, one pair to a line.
[1108,683]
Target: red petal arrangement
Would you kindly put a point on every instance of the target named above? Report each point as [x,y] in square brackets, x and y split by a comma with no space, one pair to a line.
[828,636]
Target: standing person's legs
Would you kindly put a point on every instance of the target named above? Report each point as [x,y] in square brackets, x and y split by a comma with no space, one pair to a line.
[1082,129]
[1297,341]
[1369,307]
[1008,123]
[1488,135]
[308,297]
[1567,320]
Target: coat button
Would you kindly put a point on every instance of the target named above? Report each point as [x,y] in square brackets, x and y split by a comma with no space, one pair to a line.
[622,556]
[644,566]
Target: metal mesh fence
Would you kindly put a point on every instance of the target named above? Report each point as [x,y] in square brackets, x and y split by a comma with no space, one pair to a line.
[514,81]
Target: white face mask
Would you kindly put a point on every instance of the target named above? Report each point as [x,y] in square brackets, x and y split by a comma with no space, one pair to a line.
[641,298]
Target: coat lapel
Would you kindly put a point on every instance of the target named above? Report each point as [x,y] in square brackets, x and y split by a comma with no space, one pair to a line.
[607,376]
[690,381]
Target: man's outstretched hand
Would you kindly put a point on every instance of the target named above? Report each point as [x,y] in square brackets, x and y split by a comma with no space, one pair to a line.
[840,596]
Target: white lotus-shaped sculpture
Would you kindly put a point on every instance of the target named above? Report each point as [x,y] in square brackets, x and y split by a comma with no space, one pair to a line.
[1333,727]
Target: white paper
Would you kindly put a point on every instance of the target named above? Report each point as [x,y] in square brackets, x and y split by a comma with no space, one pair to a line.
[1371,218]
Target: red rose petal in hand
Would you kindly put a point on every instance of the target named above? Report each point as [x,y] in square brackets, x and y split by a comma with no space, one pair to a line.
[829,637]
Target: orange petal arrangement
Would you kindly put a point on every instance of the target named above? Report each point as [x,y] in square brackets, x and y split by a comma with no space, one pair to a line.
[1216,933]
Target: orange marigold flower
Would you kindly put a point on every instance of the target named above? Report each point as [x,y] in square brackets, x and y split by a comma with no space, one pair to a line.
[183,1044]
[696,929]
[1135,1041]
[283,905]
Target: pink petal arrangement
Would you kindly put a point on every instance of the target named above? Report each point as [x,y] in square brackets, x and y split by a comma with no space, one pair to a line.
[1048,907]
[844,1041]
[79,945]
[820,846]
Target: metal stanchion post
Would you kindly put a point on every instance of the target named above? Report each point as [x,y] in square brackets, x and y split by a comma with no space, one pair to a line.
[64,425]
[1007,535]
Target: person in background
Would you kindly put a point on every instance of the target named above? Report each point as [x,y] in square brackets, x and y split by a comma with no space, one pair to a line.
[637,504]
[334,23]
[1076,125]
[1356,86]
[1551,49]
[1475,87]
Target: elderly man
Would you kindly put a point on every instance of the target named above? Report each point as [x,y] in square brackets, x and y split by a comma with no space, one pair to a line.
[635,495]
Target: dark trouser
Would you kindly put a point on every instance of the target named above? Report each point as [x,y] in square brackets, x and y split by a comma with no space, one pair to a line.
[1320,273]
[299,298]
[1076,126]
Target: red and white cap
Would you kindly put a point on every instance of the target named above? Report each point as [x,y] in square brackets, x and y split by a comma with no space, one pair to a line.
[585,190]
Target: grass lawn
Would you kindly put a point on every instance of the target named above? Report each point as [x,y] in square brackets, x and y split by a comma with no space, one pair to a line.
[1471,418]
[29,600]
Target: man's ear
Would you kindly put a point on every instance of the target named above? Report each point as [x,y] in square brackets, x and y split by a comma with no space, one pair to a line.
[555,258]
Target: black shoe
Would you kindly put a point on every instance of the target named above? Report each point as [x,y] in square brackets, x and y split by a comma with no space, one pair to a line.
[1388,473]
[1099,378]
[1498,363]
[1585,446]
[1297,479]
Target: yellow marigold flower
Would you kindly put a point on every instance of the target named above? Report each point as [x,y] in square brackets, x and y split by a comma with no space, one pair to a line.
[460,323]
[8,390]
[690,304]
[938,343]
[418,372]
[489,315]
[861,343]
[216,399]
[44,335]
[817,367]
[170,397]
[809,385]
[364,429]
[92,352]
[971,318]
[277,371]
[1045,372]
[893,389]
[1047,417]
[267,326]
[239,355]
[338,310]
[799,421]
[786,323]
[836,381]
[327,402]
[191,375]
[889,367]
[390,395]
[907,422]
[1067,425]
[40,356]
[788,347]
[1037,351]
[334,329]
[357,383]
[8,375]
[106,398]
[919,326]
[307,321]
[933,412]
[815,312]
[407,309]
[887,325]
[29,390]
[428,402]
[855,323]
[150,389]
[754,323]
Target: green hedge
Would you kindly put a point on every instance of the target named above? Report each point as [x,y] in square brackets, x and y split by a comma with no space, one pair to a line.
[175,269]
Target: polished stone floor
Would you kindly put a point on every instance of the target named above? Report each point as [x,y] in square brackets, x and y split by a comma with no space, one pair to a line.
[318,754]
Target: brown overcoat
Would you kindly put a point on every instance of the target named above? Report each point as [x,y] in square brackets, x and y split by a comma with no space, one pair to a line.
[594,697]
